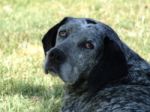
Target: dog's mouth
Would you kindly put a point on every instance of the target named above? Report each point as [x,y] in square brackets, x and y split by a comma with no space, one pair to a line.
[50,69]
[65,72]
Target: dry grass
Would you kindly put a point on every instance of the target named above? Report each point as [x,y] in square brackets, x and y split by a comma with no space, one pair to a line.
[23,85]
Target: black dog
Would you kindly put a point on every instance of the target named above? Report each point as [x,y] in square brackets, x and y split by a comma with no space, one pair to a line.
[100,72]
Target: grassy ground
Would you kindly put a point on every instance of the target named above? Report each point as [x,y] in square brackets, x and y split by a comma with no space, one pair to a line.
[23,85]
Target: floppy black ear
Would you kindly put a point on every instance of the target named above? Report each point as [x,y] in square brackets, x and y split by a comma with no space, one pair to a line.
[110,69]
[49,38]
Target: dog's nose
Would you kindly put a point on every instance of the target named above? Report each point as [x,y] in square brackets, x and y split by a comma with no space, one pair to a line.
[56,56]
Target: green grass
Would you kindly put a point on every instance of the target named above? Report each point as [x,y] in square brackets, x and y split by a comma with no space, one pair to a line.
[23,85]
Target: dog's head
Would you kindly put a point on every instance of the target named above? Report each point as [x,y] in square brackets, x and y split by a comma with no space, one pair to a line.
[81,48]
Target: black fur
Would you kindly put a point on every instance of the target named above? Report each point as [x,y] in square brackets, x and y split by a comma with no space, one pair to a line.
[113,67]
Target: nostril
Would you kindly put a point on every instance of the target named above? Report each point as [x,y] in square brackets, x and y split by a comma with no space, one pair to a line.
[56,56]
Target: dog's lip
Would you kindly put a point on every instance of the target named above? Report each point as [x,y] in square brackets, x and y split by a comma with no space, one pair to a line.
[50,69]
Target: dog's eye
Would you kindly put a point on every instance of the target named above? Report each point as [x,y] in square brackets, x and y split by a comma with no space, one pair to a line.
[63,33]
[88,45]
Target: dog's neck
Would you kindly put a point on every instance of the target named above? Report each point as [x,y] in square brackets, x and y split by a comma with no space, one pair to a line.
[137,76]
[139,69]
[82,87]
[78,88]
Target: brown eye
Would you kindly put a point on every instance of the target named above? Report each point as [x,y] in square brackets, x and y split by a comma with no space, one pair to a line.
[88,45]
[63,33]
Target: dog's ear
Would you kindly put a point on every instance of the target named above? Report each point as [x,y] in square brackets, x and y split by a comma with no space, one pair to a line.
[111,68]
[49,38]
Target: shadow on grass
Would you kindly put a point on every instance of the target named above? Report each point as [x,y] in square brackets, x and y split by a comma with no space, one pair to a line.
[47,99]
[12,87]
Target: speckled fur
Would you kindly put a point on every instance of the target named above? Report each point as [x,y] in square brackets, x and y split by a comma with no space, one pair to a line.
[126,94]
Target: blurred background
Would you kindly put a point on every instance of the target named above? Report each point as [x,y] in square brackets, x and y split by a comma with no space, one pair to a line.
[23,85]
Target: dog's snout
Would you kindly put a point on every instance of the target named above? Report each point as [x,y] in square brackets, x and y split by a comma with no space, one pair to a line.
[56,56]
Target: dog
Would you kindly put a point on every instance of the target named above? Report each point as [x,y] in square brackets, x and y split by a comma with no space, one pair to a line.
[100,72]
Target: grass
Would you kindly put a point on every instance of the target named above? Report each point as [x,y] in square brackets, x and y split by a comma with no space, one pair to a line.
[23,85]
